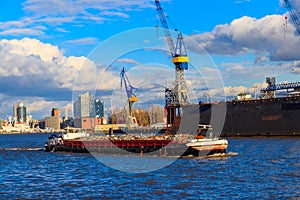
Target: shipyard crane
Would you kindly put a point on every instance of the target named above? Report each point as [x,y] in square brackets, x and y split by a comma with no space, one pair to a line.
[131,97]
[178,96]
[293,15]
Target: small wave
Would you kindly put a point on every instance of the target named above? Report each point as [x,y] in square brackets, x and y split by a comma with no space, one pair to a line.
[22,149]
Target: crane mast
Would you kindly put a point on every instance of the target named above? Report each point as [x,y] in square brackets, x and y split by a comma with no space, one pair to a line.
[178,96]
[293,15]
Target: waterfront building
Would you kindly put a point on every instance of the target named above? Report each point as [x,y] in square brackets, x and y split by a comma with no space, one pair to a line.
[15,117]
[88,112]
[55,112]
[52,122]
[84,106]
[99,108]
[87,122]
[21,113]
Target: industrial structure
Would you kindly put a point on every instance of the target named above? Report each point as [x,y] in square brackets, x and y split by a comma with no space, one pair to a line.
[293,15]
[131,97]
[269,91]
[178,96]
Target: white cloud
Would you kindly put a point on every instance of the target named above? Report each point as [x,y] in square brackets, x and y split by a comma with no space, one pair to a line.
[263,36]
[57,12]
[22,31]
[128,60]
[241,1]
[295,66]
[29,58]
[38,107]
[41,75]
[296,70]
[62,30]
[86,9]
[84,41]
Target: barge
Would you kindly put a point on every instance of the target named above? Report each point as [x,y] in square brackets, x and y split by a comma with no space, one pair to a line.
[165,145]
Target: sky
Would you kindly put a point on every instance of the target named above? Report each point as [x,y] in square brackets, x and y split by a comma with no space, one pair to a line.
[53,50]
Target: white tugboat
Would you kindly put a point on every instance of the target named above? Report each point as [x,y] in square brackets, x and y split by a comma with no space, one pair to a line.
[208,144]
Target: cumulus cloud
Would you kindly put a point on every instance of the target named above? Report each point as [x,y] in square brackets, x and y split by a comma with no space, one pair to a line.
[231,92]
[296,70]
[42,76]
[29,63]
[263,36]
[295,66]
[261,59]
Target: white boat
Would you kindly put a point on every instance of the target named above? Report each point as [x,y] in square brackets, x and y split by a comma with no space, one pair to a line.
[74,133]
[209,143]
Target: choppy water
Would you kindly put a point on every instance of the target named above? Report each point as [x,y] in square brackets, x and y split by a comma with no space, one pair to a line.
[266,168]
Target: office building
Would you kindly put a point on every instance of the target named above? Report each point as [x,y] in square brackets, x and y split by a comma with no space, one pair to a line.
[84,106]
[21,113]
[99,108]
[55,112]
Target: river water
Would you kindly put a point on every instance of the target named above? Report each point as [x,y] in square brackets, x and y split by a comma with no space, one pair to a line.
[265,168]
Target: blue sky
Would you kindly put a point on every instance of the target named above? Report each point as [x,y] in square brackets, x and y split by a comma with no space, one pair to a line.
[45,43]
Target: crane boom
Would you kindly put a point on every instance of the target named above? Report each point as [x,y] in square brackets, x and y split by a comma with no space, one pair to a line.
[293,15]
[128,87]
[178,52]
[164,23]
[132,98]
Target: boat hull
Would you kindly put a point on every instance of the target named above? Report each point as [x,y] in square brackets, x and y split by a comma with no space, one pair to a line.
[262,117]
[207,145]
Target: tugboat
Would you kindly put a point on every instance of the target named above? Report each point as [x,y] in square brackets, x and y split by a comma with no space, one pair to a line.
[55,143]
[207,143]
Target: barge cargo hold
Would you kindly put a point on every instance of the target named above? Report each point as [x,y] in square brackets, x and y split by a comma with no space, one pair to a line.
[159,146]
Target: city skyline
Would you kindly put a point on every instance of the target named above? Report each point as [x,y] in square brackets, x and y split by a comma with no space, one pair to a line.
[45,43]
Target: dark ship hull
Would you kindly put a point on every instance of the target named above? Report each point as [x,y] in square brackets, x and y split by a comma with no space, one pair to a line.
[265,117]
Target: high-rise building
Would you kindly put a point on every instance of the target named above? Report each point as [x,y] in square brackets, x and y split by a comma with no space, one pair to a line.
[55,112]
[52,122]
[21,113]
[15,118]
[84,106]
[77,112]
[99,108]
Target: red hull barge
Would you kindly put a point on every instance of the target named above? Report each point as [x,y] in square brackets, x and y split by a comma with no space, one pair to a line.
[161,147]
